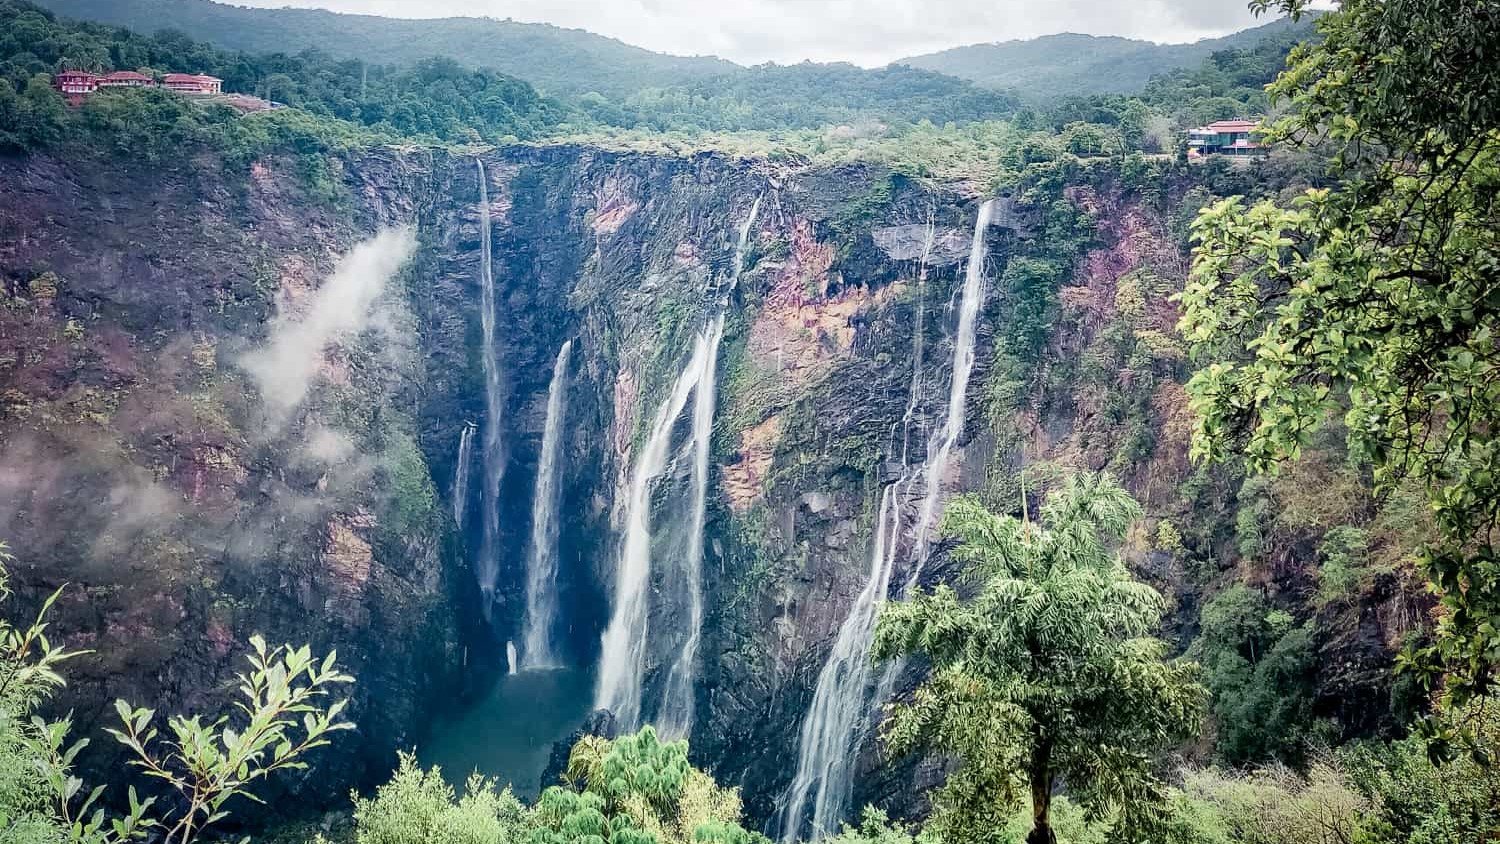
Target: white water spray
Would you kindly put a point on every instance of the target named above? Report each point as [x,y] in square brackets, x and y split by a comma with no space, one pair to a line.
[622,662]
[510,657]
[845,699]
[538,649]
[487,566]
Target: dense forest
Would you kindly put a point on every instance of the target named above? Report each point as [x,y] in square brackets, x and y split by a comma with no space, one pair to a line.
[1228,573]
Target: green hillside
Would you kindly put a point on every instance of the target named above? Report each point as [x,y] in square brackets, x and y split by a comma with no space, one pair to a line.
[556,60]
[1071,64]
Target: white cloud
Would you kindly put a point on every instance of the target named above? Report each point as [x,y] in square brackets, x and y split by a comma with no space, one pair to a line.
[286,365]
[866,32]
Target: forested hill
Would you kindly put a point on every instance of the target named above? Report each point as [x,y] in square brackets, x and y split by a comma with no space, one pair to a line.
[442,95]
[556,60]
[574,62]
[1071,64]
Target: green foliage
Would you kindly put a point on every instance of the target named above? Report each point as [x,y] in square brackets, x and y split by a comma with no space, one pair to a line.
[1376,296]
[31,114]
[637,790]
[419,807]
[206,763]
[432,98]
[1343,565]
[209,762]
[1258,666]
[807,95]
[1274,805]
[1048,673]
[1030,286]
[1422,803]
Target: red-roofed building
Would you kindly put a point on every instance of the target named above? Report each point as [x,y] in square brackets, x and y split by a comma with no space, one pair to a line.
[75,82]
[126,79]
[192,83]
[1225,137]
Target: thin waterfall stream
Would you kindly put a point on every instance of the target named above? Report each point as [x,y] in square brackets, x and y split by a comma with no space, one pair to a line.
[487,565]
[538,648]
[845,700]
[461,473]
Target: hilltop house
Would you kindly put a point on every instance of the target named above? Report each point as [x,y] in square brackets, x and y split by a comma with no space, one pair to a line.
[1225,137]
[126,79]
[77,84]
[192,83]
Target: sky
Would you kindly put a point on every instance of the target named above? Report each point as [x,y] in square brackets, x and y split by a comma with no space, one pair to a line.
[866,32]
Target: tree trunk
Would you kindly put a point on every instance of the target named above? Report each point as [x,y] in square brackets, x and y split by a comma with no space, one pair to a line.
[1041,794]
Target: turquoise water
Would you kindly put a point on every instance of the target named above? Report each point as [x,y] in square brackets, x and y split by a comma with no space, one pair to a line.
[508,734]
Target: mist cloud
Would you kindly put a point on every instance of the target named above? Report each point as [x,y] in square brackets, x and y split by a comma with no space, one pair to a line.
[341,307]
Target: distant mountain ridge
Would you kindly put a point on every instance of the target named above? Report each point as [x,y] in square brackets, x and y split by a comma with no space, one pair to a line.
[556,60]
[1071,64]
[573,62]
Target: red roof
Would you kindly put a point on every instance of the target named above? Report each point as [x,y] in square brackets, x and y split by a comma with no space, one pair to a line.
[75,74]
[127,76]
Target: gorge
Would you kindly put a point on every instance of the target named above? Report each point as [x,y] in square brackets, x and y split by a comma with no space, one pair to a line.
[715,405]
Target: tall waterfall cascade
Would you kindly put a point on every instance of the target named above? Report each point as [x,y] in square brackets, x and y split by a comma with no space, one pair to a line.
[487,565]
[538,648]
[846,697]
[625,642]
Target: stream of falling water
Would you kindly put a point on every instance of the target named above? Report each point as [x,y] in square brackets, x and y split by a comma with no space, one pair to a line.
[538,650]
[487,565]
[622,661]
[675,719]
[845,699]
[461,474]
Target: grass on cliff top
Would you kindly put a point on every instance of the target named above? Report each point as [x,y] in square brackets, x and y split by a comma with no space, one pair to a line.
[980,152]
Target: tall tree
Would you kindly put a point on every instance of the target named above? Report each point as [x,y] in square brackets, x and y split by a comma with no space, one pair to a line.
[1379,298]
[1047,674]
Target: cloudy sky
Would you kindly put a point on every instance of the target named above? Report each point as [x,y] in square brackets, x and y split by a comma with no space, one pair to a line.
[867,32]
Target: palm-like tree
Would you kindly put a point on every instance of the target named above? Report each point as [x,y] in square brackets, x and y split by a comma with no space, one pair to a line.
[1047,672]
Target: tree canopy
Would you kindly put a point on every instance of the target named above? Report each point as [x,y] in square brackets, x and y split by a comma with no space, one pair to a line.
[1378,298]
[1047,673]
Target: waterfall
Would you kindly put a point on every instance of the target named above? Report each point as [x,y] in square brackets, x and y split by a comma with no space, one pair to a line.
[461,474]
[675,720]
[958,392]
[622,661]
[829,742]
[487,566]
[845,700]
[510,657]
[538,649]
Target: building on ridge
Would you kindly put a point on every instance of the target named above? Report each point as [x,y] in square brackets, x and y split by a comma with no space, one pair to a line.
[193,83]
[1226,137]
[126,79]
[75,84]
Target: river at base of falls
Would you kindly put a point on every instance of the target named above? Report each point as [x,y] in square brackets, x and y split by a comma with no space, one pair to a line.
[509,732]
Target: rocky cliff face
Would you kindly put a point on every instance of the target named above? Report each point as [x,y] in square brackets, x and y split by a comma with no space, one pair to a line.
[140,462]
[142,465]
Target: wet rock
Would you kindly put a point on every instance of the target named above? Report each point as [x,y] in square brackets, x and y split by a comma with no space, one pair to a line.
[910,243]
